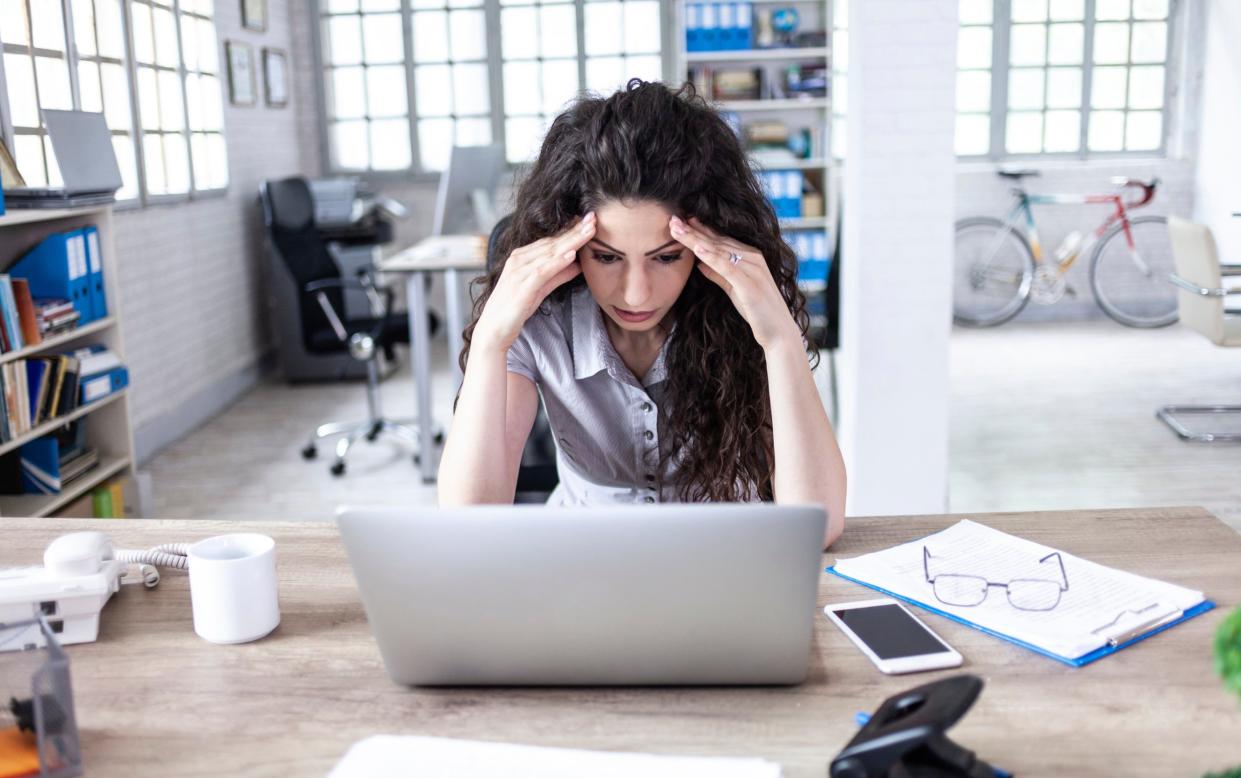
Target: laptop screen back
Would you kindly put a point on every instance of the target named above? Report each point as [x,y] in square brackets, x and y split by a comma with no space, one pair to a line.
[83,147]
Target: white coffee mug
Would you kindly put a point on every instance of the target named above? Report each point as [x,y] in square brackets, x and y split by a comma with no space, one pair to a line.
[233,587]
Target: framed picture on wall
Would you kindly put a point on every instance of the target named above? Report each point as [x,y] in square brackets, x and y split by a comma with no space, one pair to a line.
[241,84]
[254,15]
[275,77]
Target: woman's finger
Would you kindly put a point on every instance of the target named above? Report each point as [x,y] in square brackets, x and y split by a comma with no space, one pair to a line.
[724,240]
[699,243]
[563,277]
[576,236]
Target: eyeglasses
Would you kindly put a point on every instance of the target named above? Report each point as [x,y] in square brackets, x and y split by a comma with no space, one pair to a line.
[1027,594]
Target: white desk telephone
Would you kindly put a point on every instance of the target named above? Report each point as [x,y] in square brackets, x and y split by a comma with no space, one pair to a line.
[80,572]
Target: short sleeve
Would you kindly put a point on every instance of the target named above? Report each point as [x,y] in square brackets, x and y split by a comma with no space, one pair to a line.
[521,356]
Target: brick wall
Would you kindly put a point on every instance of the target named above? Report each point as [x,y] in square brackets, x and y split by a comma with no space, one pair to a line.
[981,193]
[190,272]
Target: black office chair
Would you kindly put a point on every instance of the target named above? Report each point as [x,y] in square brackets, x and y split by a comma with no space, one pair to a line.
[288,214]
[537,475]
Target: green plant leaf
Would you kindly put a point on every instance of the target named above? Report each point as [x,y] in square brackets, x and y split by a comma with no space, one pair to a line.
[1228,653]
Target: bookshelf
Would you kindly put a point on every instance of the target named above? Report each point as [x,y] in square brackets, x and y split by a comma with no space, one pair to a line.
[110,427]
[796,112]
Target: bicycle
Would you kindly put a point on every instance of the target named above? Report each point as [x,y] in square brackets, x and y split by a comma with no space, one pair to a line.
[999,265]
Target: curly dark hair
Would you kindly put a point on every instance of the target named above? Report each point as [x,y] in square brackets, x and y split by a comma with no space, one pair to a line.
[649,143]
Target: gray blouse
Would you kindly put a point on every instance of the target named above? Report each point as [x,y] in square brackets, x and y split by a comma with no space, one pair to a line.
[605,420]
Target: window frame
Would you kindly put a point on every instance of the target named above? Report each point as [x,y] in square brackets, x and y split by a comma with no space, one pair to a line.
[193,192]
[1000,67]
[69,56]
[75,60]
[143,198]
[415,174]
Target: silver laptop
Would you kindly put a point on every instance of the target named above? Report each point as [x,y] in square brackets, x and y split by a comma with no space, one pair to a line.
[521,595]
[84,154]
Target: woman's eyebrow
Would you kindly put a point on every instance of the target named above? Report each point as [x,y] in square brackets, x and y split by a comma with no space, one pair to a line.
[655,251]
[618,251]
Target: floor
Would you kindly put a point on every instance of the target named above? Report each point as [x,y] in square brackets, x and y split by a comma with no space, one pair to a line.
[1049,416]
[1043,416]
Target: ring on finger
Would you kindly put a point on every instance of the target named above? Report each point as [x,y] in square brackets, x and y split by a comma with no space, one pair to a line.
[734,258]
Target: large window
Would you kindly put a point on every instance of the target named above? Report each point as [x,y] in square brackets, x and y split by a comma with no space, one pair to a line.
[473,71]
[1061,76]
[36,69]
[81,54]
[165,91]
[451,81]
[103,84]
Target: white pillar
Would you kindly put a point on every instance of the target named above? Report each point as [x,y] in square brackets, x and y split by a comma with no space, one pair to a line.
[1217,192]
[896,276]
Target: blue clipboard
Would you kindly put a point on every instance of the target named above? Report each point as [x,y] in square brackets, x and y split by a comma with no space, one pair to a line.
[1084,659]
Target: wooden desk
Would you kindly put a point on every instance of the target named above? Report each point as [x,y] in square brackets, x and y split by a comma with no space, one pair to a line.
[154,698]
[451,255]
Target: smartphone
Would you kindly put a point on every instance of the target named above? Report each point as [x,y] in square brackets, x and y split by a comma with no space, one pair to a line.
[892,637]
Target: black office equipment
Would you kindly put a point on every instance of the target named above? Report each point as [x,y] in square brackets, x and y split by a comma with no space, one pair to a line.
[352,225]
[906,737]
[537,475]
[325,326]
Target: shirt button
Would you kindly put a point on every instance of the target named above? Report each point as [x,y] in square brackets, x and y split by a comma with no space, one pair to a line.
[649,435]
[646,407]
[650,478]
[648,499]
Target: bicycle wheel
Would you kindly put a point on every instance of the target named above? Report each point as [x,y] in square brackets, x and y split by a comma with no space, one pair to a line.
[1132,286]
[992,271]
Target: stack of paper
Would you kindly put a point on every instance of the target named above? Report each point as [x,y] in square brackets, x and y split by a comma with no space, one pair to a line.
[430,757]
[1102,607]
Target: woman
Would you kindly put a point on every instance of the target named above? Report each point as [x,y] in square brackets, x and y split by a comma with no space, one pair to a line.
[647,293]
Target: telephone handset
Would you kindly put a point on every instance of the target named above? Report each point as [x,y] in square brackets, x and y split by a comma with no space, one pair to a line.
[80,573]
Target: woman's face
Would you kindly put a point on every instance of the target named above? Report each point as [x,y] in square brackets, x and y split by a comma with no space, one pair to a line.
[633,267]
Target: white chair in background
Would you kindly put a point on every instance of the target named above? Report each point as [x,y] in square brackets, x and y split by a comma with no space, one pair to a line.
[1203,303]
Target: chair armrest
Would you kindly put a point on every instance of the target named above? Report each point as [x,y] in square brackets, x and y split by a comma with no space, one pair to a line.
[380,298]
[1190,286]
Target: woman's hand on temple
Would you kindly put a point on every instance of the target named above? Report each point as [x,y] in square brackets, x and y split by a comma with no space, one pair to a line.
[530,273]
[747,282]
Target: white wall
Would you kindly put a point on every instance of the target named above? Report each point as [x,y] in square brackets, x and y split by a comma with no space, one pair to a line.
[897,255]
[1218,187]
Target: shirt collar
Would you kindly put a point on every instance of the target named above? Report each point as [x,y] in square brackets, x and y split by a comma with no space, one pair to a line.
[590,337]
[593,351]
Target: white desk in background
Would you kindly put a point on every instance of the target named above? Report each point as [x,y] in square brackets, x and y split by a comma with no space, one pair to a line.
[452,255]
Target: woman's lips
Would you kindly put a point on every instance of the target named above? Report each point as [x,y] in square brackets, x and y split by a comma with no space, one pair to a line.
[633,316]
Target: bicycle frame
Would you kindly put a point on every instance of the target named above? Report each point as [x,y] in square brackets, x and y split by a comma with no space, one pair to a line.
[1022,211]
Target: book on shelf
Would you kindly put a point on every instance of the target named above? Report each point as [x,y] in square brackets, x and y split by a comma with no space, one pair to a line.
[9,318]
[26,314]
[50,463]
[100,373]
[55,317]
[108,500]
[68,266]
[40,389]
[711,26]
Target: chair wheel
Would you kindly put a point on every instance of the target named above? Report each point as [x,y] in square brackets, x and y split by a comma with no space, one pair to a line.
[310,452]
[338,468]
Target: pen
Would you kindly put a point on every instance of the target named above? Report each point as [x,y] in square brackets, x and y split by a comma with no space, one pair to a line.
[1143,628]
